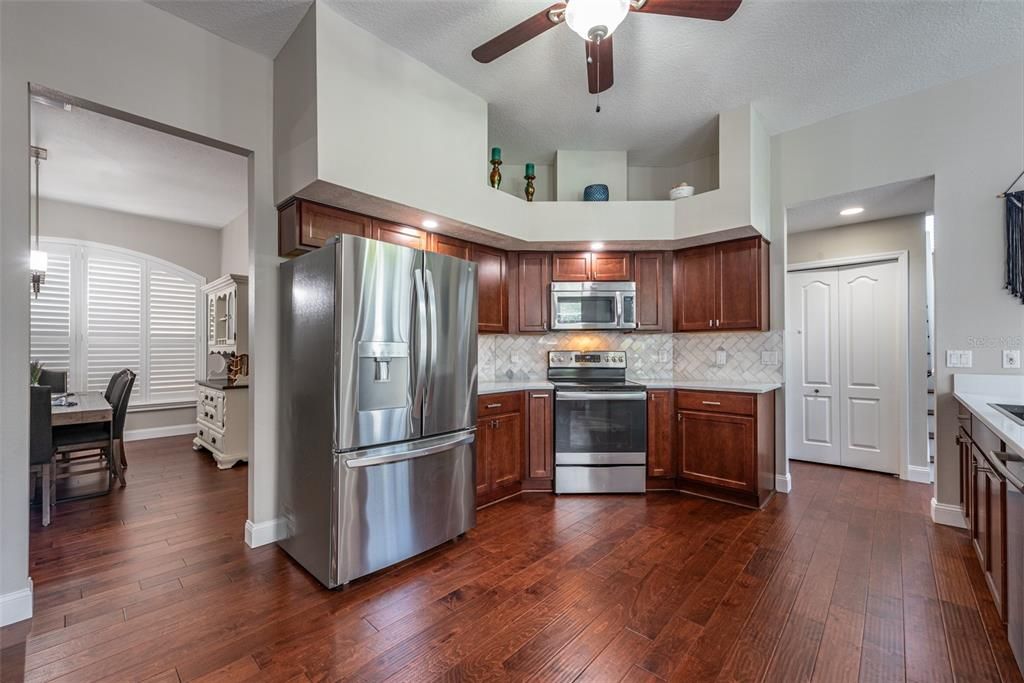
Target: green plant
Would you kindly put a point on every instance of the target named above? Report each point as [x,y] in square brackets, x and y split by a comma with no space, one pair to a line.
[36,370]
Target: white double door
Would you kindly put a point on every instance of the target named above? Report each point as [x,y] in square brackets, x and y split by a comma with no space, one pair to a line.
[845,376]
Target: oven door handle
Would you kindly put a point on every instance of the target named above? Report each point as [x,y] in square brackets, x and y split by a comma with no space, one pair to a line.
[600,396]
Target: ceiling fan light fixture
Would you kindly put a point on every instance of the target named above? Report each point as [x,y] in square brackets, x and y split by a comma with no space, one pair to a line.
[592,18]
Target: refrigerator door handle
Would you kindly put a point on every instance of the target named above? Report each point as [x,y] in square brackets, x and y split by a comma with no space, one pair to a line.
[382,455]
[432,320]
[421,343]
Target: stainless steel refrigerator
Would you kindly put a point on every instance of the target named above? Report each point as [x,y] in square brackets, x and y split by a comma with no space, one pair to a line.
[378,390]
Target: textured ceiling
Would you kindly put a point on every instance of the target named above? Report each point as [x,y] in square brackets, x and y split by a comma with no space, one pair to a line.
[885,201]
[260,25]
[800,61]
[104,162]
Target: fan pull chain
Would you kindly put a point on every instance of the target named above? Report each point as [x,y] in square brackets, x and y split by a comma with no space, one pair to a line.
[598,109]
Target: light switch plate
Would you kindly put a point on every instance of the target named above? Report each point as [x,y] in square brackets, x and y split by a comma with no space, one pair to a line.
[665,356]
[513,358]
[959,359]
[1011,359]
[769,358]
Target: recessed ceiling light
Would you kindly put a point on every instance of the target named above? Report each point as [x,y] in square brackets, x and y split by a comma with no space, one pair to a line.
[429,223]
[597,246]
[852,211]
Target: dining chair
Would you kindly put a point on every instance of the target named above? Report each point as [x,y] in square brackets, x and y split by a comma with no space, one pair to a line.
[117,426]
[110,385]
[77,443]
[57,380]
[41,453]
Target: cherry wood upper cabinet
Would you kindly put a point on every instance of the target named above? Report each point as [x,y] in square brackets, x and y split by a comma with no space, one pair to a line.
[741,269]
[532,289]
[570,267]
[449,246]
[492,289]
[584,266]
[304,225]
[694,291]
[653,291]
[722,286]
[402,235]
[611,266]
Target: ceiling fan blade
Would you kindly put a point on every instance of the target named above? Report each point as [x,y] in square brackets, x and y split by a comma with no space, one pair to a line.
[517,35]
[599,65]
[714,10]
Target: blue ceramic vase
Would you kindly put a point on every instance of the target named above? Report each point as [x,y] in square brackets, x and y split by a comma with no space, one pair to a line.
[595,193]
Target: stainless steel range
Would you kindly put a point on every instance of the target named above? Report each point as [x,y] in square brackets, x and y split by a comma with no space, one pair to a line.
[600,423]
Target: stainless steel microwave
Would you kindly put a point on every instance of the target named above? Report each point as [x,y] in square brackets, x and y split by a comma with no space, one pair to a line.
[593,305]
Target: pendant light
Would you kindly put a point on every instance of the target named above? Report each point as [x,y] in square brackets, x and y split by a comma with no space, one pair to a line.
[37,257]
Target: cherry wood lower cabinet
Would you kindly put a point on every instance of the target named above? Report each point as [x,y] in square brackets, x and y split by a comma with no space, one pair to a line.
[540,441]
[499,447]
[661,458]
[725,445]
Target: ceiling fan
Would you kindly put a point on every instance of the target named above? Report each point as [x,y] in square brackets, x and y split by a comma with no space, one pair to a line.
[595,21]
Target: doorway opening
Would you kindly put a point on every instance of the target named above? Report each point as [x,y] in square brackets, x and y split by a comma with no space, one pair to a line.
[857,330]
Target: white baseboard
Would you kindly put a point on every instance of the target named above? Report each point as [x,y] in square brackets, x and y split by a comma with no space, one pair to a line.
[159,432]
[949,515]
[263,533]
[16,606]
[783,483]
[920,474]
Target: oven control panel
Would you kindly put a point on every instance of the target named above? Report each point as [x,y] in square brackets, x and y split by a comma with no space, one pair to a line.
[586,359]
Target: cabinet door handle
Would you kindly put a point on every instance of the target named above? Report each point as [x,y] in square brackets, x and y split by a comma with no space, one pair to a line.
[493,405]
[717,322]
[711,323]
[538,396]
[712,403]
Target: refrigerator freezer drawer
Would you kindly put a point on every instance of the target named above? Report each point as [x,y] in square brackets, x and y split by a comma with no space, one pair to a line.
[395,502]
[624,479]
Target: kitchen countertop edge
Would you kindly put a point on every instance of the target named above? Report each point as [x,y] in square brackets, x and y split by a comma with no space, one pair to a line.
[1008,431]
[710,385]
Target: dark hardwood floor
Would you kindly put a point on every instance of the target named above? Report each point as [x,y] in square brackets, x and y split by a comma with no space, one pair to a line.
[845,579]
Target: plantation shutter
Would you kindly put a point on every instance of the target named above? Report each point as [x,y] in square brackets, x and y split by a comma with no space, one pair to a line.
[172,336]
[50,314]
[113,324]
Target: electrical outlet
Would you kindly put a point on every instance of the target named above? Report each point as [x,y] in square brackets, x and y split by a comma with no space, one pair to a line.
[959,359]
[769,358]
[1011,359]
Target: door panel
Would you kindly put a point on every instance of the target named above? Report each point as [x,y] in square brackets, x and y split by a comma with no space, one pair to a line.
[571,267]
[694,275]
[660,425]
[739,286]
[534,283]
[812,366]
[484,447]
[506,454]
[869,342]
[611,266]
[402,235]
[450,390]
[492,289]
[650,292]
[449,246]
[717,449]
[378,358]
[540,456]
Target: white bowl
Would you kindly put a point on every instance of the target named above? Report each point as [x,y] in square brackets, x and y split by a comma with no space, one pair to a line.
[681,192]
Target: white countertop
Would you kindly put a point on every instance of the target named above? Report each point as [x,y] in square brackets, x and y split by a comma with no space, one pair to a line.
[514,385]
[976,392]
[487,387]
[710,385]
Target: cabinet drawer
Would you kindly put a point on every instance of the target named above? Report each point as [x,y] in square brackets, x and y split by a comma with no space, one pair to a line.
[985,439]
[499,404]
[715,402]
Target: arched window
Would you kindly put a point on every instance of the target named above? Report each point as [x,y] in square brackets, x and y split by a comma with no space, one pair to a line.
[103,308]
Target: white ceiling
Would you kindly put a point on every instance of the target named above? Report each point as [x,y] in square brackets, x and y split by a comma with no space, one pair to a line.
[104,162]
[885,201]
[800,61]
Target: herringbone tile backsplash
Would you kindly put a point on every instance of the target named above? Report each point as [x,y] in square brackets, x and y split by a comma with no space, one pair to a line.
[649,356]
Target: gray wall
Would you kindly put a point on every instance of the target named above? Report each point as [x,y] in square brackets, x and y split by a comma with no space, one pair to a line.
[190,246]
[905,233]
[967,134]
[234,246]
